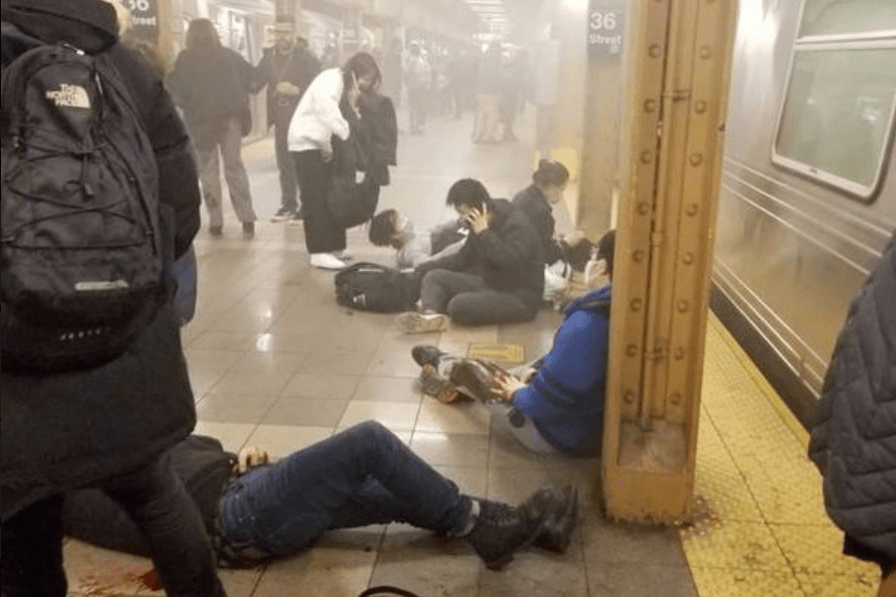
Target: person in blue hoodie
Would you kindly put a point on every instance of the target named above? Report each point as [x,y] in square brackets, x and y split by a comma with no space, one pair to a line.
[557,407]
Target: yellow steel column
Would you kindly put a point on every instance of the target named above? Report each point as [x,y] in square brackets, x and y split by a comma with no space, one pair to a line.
[677,64]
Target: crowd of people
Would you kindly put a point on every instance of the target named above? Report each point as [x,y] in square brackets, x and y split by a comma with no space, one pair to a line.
[105,452]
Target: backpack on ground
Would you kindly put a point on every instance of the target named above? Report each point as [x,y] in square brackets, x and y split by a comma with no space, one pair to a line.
[82,253]
[374,287]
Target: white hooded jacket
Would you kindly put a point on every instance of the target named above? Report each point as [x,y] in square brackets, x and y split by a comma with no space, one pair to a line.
[317,117]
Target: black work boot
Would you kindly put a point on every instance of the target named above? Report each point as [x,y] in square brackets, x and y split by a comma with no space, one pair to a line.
[560,508]
[425,354]
[501,529]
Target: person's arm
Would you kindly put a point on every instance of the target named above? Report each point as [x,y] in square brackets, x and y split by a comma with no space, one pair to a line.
[457,261]
[510,247]
[326,103]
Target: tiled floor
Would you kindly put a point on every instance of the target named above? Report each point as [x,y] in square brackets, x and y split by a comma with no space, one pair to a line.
[274,361]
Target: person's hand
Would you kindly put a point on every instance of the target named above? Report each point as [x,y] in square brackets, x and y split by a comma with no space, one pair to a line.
[477,219]
[252,456]
[507,385]
[528,374]
[287,88]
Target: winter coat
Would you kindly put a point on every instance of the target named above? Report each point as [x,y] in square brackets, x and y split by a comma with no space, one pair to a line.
[67,430]
[212,86]
[533,203]
[507,255]
[854,437]
[378,114]
[565,398]
[298,67]
[318,117]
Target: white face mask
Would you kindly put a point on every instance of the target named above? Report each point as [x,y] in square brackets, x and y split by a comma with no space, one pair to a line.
[404,229]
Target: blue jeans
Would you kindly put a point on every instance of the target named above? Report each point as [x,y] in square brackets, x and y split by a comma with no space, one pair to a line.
[363,475]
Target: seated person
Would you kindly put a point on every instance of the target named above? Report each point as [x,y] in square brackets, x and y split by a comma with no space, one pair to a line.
[558,405]
[497,276]
[391,229]
[363,475]
[548,184]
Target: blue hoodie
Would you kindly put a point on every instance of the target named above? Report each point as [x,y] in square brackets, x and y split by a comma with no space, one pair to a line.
[565,399]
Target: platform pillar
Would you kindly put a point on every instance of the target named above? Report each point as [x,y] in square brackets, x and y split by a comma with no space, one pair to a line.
[677,71]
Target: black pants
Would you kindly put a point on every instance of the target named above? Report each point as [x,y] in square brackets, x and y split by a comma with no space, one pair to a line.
[467,300]
[288,189]
[323,234]
[156,500]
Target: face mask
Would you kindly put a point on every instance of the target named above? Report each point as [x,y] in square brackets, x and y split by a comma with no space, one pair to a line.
[405,228]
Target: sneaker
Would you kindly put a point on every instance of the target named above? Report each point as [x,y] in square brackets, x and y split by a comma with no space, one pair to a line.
[477,378]
[432,384]
[248,230]
[326,261]
[296,219]
[413,322]
[502,529]
[344,255]
[561,513]
[426,354]
[283,214]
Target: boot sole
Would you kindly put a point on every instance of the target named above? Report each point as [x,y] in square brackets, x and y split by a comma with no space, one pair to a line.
[474,379]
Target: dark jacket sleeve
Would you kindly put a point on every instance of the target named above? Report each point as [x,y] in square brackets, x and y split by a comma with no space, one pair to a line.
[531,202]
[853,440]
[178,180]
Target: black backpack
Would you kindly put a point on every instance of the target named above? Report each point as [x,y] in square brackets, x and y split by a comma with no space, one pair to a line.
[82,254]
[374,287]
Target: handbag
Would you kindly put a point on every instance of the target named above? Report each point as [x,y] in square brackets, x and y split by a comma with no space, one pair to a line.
[352,203]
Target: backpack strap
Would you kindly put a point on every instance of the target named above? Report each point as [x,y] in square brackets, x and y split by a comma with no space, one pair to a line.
[387,590]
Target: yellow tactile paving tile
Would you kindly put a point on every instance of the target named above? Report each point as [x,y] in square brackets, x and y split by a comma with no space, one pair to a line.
[505,353]
[759,522]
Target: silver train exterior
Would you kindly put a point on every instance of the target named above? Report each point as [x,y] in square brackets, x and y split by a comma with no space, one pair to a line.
[808,194]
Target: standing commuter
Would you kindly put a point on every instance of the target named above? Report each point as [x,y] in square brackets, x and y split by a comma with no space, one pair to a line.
[211,83]
[322,114]
[853,440]
[287,70]
[107,425]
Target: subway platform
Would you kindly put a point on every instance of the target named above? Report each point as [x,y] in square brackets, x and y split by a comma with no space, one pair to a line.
[275,362]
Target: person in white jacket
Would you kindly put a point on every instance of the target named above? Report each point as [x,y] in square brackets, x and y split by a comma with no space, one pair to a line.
[317,118]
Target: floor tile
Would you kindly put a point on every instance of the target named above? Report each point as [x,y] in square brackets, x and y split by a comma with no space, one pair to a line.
[467,418]
[233,408]
[451,449]
[232,436]
[319,572]
[321,386]
[313,413]
[397,416]
[639,580]
[387,389]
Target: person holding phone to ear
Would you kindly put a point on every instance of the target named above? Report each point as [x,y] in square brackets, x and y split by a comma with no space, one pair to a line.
[326,109]
[496,277]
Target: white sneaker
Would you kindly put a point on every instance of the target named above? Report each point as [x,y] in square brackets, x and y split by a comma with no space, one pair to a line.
[343,255]
[413,322]
[326,261]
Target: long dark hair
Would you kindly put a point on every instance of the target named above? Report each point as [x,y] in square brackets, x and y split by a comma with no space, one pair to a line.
[201,34]
[358,66]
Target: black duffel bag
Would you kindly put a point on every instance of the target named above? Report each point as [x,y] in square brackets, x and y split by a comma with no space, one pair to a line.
[374,287]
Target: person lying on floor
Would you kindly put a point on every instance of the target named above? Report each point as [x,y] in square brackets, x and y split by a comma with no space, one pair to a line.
[389,228]
[256,510]
[557,406]
[496,277]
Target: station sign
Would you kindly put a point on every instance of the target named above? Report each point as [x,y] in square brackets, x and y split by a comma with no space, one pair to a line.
[144,18]
[606,32]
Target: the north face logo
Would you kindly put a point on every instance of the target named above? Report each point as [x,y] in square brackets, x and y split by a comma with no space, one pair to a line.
[69,96]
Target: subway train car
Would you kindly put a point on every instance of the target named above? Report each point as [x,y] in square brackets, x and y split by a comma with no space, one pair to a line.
[808,193]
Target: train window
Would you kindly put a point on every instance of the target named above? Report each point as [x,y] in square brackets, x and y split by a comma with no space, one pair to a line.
[837,114]
[833,17]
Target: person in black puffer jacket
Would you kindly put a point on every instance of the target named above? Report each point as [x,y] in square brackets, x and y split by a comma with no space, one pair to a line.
[109,426]
[853,440]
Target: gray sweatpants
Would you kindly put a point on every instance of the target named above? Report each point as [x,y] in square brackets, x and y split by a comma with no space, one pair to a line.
[230,146]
